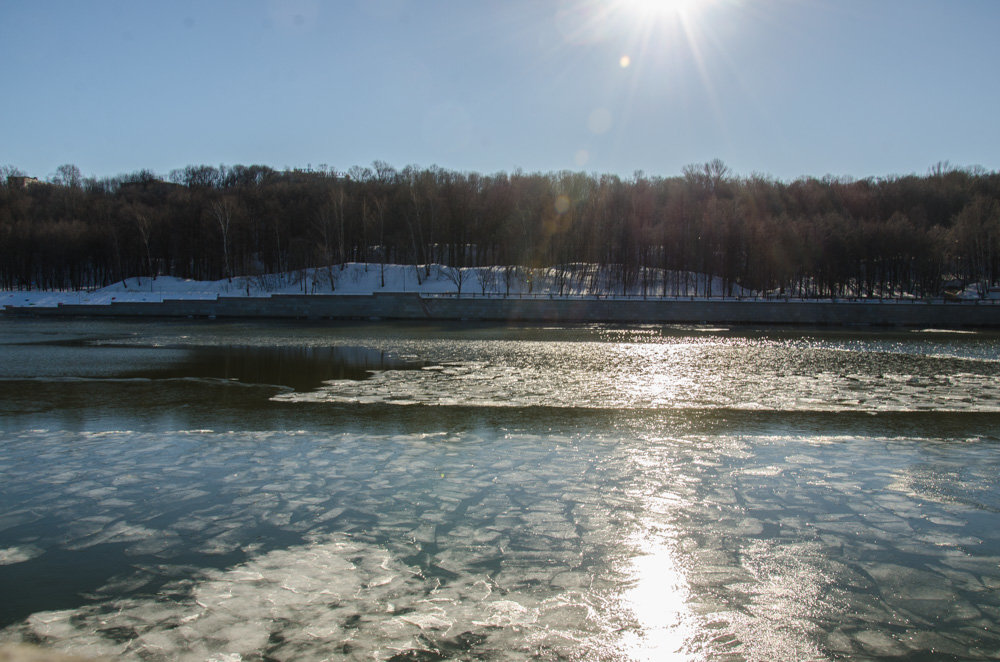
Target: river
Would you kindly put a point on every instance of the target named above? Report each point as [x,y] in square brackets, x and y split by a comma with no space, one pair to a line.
[285,491]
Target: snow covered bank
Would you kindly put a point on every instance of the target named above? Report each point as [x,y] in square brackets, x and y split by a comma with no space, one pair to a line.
[576,293]
[359,279]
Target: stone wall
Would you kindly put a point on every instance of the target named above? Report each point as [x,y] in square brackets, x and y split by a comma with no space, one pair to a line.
[411,306]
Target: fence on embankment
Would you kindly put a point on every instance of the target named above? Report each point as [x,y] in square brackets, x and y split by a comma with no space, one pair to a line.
[412,306]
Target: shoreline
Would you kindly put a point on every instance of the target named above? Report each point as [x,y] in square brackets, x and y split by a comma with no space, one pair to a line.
[413,306]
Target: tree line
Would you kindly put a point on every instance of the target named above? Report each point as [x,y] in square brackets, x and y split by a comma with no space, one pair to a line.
[878,237]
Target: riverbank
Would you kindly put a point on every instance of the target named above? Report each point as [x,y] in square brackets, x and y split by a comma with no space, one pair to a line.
[577,293]
[442,307]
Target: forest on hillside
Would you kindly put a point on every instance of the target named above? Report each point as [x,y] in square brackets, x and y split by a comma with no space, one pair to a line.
[879,237]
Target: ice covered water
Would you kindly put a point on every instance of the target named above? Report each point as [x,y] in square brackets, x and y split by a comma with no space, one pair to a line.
[478,493]
[679,372]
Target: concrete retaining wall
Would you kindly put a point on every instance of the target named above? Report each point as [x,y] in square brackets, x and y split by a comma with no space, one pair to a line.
[411,306]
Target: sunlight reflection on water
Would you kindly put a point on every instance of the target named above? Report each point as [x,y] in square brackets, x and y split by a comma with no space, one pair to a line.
[706,373]
[565,499]
[657,594]
[658,599]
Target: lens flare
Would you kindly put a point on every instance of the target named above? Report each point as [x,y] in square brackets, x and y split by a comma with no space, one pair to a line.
[655,8]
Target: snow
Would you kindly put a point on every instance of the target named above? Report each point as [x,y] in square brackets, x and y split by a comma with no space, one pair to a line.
[572,280]
[365,279]
[355,278]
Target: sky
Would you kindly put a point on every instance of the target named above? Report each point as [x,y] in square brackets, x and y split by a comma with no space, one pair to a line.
[782,88]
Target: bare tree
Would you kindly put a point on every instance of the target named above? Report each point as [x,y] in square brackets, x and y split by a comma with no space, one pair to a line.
[144,226]
[488,280]
[456,275]
[325,226]
[68,175]
[222,211]
[380,215]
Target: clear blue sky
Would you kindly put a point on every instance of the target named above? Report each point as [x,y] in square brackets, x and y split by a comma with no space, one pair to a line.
[784,87]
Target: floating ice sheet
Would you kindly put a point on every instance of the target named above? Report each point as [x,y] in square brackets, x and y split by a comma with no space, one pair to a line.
[479,543]
[780,377]
[12,555]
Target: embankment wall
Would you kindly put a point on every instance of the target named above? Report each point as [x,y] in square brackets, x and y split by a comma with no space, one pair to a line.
[411,306]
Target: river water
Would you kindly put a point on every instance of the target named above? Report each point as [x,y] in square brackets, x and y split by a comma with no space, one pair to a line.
[230,491]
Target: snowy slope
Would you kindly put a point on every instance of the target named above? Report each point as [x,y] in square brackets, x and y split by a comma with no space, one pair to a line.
[357,278]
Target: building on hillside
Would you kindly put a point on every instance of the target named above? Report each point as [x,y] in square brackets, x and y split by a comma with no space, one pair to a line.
[21,181]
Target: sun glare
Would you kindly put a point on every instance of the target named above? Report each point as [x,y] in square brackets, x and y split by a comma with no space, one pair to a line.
[656,21]
[666,33]
[654,9]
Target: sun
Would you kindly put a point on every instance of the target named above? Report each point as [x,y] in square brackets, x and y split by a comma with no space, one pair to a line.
[653,25]
[658,9]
